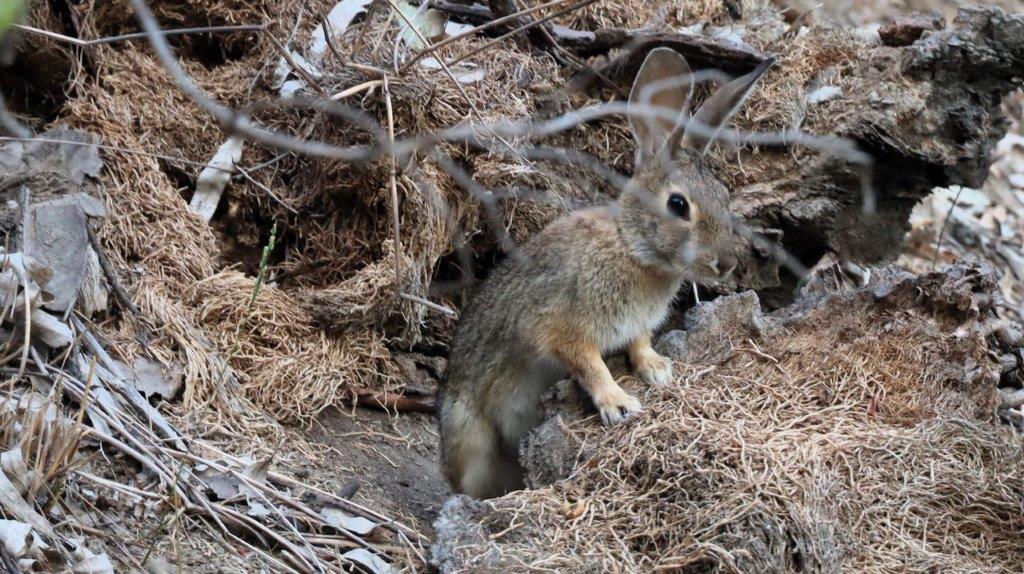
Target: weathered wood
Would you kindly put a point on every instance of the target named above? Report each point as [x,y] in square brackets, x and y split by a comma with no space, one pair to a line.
[700,51]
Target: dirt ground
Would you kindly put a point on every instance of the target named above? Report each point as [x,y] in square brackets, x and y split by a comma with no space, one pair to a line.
[391,460]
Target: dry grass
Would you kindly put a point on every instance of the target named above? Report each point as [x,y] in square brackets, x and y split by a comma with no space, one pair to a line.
[337,252]
[317,338]
[658,15]
[40,444]
[858,437]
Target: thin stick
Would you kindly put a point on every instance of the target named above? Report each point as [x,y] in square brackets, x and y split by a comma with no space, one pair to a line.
[393,402]
[9,564]
[298,69]
[447,69]
[395,220]
[22,275]
[523,28]
[476,30]
[942,230]
[140,35]
[245,174]
[428,304]
[329,38]
[22,229]
[364,68]
[118,486]
[356,89]
[108,272]
[236,123]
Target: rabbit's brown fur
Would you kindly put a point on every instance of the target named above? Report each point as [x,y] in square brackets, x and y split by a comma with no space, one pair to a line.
[595,281]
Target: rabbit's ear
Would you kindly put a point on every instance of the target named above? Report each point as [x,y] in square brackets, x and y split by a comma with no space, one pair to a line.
[662,89]
[719,107]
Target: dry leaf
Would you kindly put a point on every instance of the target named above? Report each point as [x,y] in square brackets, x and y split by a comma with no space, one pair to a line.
[16,537]
[426,25]
[50,330]
[215,177]
[151,378]
[354,524]
[574,511]
[455,28]
[13,464]
[15,506]
[222,485]
[256,472]
[369,561]
[90,563]
[62,155]
[469,77]
[258,510]
[56,237]
[339,19]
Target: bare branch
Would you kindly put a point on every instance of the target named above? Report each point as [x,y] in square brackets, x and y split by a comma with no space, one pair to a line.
[236,124]
[523,28]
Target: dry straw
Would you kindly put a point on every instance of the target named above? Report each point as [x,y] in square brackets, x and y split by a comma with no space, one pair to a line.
[859,436]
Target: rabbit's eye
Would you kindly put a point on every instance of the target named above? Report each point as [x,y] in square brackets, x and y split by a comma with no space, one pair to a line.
[678,205]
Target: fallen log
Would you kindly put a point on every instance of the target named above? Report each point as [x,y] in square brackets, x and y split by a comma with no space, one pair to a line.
[700,51]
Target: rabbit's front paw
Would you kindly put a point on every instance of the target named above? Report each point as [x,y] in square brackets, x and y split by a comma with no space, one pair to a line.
[655,370]
[616,405]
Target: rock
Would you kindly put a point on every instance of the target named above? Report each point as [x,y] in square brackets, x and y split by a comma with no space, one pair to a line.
[709,326]
[54,170]
[57,237]
[457,526]
[551,451]
[904,30]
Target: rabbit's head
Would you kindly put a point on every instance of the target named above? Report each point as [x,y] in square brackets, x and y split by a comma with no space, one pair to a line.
[675,213]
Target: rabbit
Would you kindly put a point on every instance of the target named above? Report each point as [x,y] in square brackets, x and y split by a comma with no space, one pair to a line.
[590,283]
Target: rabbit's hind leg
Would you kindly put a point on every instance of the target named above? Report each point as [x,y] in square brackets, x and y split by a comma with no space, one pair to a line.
[475,463]
[488,470]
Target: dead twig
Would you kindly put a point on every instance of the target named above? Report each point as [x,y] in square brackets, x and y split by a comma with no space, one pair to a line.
[493,23]
[141,35]
[297,68]
[333,46]
[22,226]
[428,304]
[536,36]
[396,403]
[368,85]
[393,187]
[478,13]
[942,230]
[10,565]
[108,272]
[523,28]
